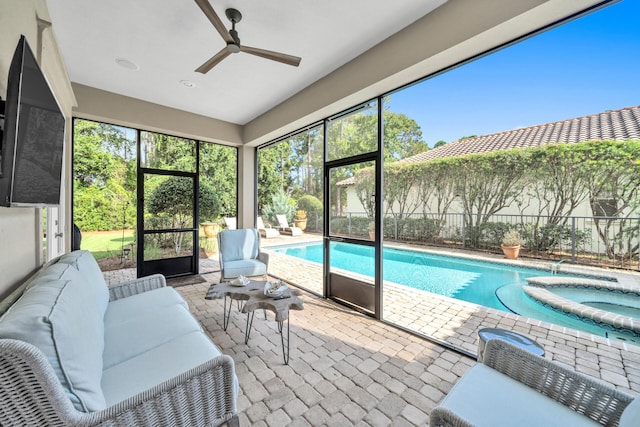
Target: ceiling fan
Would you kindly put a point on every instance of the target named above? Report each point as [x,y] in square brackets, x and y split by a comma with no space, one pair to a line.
[233,41]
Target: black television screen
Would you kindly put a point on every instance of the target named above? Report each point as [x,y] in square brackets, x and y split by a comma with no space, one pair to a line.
[33,137]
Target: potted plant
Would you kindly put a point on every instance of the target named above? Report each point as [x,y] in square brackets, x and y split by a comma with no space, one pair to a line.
[210,228]
[511,242]
[372,230]
[300,219]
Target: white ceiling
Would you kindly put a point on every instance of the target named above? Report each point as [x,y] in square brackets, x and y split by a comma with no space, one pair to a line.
[169,39]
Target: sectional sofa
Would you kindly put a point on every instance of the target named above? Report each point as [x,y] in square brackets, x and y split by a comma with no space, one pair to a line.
[76,352]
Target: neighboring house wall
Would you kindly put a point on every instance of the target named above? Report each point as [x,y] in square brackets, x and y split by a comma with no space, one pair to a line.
[533,207]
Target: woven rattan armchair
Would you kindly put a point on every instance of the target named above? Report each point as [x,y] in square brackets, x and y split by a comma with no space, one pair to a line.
[592,399]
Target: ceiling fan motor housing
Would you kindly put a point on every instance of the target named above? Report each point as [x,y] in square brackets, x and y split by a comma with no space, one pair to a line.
[236,39]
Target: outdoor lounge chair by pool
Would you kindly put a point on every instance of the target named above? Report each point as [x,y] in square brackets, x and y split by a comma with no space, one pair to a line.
[230,222]
[266,232]
[283,226]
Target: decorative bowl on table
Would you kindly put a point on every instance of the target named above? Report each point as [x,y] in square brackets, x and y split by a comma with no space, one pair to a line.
[274,289]
[240,281]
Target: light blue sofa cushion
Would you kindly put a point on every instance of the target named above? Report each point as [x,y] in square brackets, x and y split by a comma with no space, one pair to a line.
[128,335]
[239,244]
[159,364]
[247,267]
[149,300]
[484,396]
[86,264]
[63,318]
[631,414]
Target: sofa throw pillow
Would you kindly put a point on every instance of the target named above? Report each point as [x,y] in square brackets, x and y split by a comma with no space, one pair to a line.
[61,318]
[86,264]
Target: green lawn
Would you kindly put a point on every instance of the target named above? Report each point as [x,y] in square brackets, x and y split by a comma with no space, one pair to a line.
[103,244]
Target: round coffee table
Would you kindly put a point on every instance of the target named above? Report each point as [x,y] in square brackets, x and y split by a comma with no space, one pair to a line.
[254,299]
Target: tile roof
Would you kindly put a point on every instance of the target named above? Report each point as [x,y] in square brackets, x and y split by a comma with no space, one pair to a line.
[620,125]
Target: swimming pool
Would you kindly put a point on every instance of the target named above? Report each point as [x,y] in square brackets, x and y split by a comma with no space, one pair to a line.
[480,282]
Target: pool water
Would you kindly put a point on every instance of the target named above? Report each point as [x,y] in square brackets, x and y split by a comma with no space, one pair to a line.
[464,279]
[480,282]
[624,310]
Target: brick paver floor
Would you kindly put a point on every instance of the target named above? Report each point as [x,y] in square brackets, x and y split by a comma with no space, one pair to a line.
[345,368]
[349,369]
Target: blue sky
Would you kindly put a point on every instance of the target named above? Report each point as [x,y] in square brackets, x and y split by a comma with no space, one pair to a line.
[584,67]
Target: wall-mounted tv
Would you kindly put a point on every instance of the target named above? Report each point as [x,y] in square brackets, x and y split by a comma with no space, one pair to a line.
[31,154]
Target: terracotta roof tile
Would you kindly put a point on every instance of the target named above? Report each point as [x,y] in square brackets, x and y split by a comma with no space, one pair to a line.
[610,125]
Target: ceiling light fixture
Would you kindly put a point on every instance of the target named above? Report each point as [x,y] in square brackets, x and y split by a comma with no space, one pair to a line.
[125,63]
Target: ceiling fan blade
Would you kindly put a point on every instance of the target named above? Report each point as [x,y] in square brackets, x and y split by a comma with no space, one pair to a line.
[274,56]
[215,20]
[204,68]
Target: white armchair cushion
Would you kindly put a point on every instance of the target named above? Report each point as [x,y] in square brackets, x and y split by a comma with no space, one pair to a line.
[239,244]
[247,267]
[486,397]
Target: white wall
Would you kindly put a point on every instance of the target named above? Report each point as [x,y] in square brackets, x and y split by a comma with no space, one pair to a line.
[20,244]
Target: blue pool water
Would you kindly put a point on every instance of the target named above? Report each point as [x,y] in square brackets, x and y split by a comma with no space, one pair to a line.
[480,282]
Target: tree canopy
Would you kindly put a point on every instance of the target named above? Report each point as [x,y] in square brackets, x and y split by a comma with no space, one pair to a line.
[105,173]
[295,165]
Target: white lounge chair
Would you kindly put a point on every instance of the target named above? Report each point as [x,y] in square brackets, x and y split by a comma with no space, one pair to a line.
[283,226]
[230,222]
[266,232]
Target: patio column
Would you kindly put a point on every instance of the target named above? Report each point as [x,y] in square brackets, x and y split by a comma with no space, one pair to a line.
[246,186]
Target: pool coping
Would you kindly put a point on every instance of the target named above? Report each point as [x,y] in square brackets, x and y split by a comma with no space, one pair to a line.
[538,289]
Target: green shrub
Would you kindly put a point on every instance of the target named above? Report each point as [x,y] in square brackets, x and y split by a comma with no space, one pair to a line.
[173,196]
[103,209]
[412,229]
[407,229]
[355,226]
[489,234]
[309,203]
[550,236]
[280,204]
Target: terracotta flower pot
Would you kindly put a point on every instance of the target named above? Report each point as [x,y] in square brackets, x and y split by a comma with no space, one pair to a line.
[511,252]
[300,223]
[211,229]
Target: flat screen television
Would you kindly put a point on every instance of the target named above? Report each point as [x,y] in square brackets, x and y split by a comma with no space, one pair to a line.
[31,154]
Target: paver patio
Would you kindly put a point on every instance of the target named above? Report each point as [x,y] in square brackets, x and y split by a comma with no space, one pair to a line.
[349,369]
